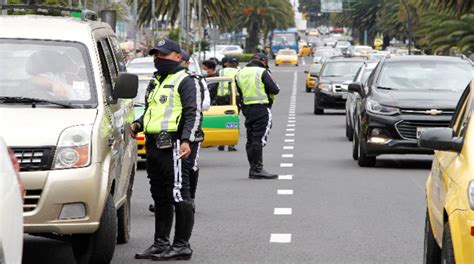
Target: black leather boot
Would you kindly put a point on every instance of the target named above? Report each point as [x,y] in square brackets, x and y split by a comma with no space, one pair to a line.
[256,167]
[163,223]
[181,249]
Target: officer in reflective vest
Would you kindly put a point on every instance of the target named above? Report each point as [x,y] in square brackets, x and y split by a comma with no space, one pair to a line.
[257,90]
[223,97]
[171,123]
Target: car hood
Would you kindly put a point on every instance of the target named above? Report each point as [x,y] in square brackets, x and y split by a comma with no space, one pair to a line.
[417,99]
[29,127]
[337,80]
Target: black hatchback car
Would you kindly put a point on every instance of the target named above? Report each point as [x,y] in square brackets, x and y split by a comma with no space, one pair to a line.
[405,96]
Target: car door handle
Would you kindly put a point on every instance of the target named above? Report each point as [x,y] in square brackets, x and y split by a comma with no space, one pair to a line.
[229,112]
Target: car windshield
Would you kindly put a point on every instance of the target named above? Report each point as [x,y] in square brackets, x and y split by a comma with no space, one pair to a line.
[343,44]
[425,75]
[284,39]
[315,69]
[47,70]
[341,69]
[366,74]
[286,52]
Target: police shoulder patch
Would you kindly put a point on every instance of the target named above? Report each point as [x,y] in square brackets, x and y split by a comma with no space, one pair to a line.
[163,99]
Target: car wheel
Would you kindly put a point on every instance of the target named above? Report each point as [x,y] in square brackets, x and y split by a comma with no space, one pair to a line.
[123,214]
[276,64]
[431,250]
[317,110]
[349,130]
[296,65]
[447,253]
[99,246]
[355,146]
[364,160]
[308,90]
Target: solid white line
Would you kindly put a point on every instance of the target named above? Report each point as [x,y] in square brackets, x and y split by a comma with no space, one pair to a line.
[290,125]
[280,238]
[286,165]
[285,192]
[288,147]
[289,135]
[289,140]
[285,177]
[282,211]
[290,129]
[287,155]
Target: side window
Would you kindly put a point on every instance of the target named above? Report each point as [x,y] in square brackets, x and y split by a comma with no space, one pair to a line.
[110,60]
[224,93]
[118,55]
[105,71]
[463,112]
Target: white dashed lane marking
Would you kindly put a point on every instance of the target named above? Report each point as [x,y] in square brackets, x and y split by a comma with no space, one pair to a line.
[285,177]
[286,165]
[285,192]
[282,211]
[289,140]
[288,147]
[287,155]
[280,238]
[290,129]
[289,135]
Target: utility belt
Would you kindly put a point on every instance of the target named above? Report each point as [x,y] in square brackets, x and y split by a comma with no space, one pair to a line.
[165,139]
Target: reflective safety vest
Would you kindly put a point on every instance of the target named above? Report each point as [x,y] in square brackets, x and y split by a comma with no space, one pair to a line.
[164,105]
[224,88]
[251,85]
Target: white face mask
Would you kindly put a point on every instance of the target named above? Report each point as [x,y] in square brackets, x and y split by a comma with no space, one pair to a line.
[204,73]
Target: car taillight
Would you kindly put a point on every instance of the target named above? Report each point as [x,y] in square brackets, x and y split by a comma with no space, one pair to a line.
[16,166]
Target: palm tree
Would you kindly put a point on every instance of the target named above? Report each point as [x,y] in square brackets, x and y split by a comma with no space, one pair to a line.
[215,12]
[263,16]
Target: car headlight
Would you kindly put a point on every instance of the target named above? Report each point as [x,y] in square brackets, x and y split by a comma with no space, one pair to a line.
[376,108]
[74,147]
[470,194]
[325,87]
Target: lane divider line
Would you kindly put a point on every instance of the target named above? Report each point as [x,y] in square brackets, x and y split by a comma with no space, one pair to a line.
[290,129]
[282,211]
[289,140]
[287,155]
[286,165]
[290,125]
[288,147]
[285,192]
[280,238]
[289,135]
[285,177]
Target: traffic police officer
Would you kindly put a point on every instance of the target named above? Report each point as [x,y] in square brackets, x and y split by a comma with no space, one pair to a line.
[257,90]
[172,123]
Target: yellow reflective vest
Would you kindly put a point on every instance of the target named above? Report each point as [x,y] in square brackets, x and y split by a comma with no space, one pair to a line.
[251,85]
[224,88]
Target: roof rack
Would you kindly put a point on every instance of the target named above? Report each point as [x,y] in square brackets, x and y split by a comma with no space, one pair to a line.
[75,12]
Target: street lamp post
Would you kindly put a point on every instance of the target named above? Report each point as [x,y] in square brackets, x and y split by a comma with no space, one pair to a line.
[409,25]
[153,8]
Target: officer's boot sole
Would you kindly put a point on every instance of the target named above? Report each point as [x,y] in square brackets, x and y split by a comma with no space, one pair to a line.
[260,177]
[157,258]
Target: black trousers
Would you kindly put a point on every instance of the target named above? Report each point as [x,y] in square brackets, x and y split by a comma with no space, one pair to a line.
[193,159]
[168,175]
[258,122]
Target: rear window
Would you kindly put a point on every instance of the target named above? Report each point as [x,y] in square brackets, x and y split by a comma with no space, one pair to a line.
[286,52]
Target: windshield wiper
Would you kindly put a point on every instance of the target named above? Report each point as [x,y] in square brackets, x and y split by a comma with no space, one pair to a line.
[386,88]
[20,99]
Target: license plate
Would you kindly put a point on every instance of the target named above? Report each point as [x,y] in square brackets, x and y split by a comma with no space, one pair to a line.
[419,131]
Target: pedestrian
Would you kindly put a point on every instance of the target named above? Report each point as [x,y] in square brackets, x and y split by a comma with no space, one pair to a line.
[171,123]
[209,68]
[223,95]
[196,146]
[257,91]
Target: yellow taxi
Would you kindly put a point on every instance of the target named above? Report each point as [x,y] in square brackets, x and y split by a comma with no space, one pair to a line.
[220,123]
[306,50]
[286,56]
[312,76]
[449,224]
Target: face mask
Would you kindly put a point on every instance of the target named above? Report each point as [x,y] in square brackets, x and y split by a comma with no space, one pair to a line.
[204,73]
[165,66]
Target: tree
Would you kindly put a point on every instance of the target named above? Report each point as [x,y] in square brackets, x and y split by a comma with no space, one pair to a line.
[263,16]
[312,10]
[215,12]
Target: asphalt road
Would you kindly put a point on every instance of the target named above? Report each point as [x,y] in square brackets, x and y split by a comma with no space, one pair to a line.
[331,210]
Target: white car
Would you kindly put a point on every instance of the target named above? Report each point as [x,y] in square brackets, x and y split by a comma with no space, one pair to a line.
[228,49]
[209,55]
[141,66]
[11,207]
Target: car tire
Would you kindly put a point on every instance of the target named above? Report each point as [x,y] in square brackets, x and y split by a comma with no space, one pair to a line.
[123,214]
[431,249]
[99,246]
[447,253]
[308,90]
[296,65]
[363,160]
[276,64]
[317,110]
[355,146]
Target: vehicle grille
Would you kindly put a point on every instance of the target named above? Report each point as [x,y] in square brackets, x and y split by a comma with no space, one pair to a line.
[444,112]
[337,88]
[407,129]
[31,159]
[32,198]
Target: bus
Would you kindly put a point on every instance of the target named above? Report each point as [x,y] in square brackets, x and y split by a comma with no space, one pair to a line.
[284,39]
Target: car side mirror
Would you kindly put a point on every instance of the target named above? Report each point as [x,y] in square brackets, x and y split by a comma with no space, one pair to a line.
[345,86]
[126,86]
[356,87]
[440,138]
[315,75]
